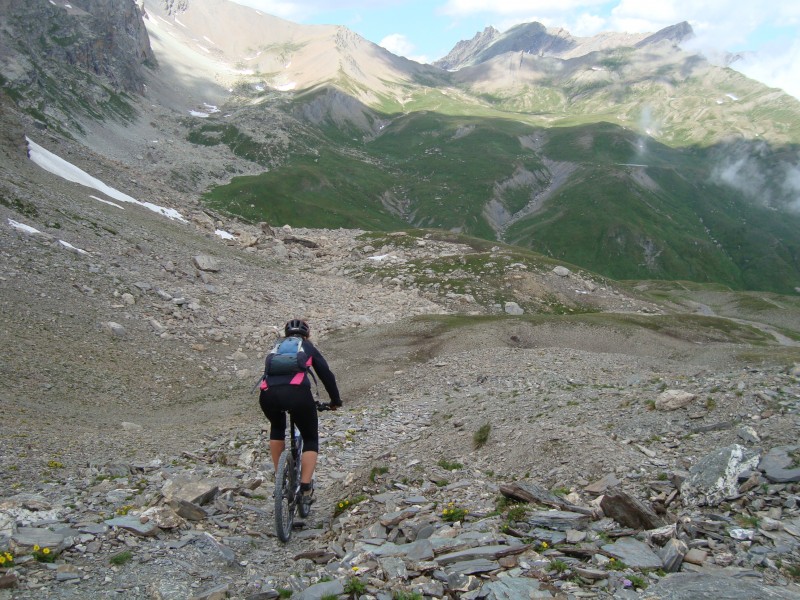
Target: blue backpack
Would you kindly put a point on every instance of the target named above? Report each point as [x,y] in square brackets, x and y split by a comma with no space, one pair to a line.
[287,358]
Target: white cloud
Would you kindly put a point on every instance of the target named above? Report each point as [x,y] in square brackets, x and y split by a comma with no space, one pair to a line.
[587,25]
[399,44]
[775,68]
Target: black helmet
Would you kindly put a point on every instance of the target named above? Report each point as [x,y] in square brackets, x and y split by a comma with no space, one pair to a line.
[297,327]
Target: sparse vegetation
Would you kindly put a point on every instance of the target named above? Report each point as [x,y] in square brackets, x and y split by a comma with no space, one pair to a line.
[355,587]
[452,513]
[481,436]
[376,471]
[449,465]
[120,558]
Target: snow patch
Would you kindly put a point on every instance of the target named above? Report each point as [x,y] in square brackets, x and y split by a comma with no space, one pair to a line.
[286,87]
[378,258]
[58,166]
[732,97]
[224,234]
[71,247]
[22,226]
[106,202]
[197,113]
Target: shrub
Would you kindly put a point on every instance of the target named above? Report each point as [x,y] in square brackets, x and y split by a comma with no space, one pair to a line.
[481,436]
[453,513]
[44,555]
[616,565]
[559,566]
[518,512]
[637,581]
[355,586]
[121,558]
[449,466]
[377,471]
[344,504]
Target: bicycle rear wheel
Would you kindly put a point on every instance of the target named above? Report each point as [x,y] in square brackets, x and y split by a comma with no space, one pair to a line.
[284,496]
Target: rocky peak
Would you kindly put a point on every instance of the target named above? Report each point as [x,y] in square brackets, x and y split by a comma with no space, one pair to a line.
[678,33]
[462,52]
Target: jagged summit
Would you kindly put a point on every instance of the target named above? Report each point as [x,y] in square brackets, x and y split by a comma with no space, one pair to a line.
[677,34]
[536,39]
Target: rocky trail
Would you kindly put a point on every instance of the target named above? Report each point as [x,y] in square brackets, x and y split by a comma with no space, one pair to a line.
[557,502]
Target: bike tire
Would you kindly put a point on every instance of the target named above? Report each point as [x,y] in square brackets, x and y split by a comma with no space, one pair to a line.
[284,496]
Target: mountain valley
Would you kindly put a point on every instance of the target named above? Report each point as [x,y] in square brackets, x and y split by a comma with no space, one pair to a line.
[596,318]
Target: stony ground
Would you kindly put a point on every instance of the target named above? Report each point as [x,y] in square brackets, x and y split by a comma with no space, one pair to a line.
[128,363]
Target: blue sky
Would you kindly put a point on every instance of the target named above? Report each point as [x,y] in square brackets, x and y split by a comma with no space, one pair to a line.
[427,30]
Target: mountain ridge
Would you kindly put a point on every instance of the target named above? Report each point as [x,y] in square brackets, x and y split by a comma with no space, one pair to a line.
[535,38]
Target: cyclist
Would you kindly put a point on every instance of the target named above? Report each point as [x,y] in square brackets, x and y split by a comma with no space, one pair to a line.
[282,393]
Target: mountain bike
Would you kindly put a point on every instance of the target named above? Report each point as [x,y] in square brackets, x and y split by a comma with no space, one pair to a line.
[287,483]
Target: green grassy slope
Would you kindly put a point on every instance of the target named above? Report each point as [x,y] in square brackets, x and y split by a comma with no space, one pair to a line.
[665,220]
[631,209]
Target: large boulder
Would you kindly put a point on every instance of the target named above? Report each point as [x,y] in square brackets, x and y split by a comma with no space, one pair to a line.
[716,476]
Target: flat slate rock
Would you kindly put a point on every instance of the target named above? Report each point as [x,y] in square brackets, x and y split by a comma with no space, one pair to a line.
[134,525]
[471,567]
[514,588]
[559,520]
[704,586]
[634,553]
[27,537]
[488,552]
[777,465]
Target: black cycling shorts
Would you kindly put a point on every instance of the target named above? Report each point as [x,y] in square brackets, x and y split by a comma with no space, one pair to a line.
[299,402]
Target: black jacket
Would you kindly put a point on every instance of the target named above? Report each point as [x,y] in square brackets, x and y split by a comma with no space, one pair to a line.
[321,368]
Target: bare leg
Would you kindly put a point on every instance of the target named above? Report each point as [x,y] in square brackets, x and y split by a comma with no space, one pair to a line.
[276,449]
[308,462]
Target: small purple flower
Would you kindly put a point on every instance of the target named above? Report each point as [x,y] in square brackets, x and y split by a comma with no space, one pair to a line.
[627,583]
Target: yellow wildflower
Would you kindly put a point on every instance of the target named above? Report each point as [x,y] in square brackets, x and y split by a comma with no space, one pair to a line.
[36,547]
[46,551]
[544,546]
[2,560]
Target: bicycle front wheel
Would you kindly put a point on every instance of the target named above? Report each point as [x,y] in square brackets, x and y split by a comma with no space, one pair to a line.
[284,496]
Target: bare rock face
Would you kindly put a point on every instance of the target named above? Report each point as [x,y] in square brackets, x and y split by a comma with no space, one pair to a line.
[464,49]
[105,39]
